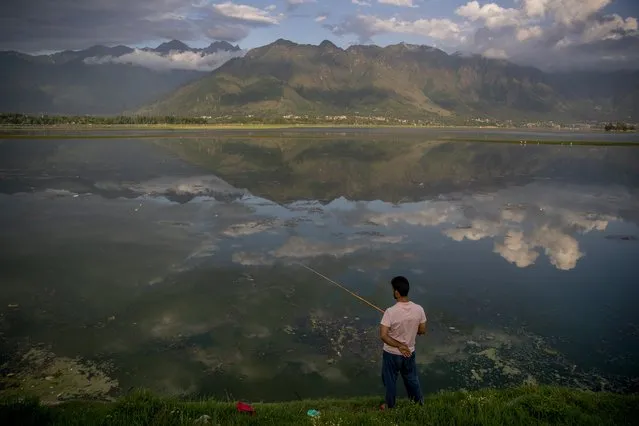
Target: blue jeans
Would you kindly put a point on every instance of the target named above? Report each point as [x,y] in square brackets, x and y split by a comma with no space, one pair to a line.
[392,365]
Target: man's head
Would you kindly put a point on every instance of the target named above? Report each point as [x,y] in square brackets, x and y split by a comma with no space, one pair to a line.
[400,287]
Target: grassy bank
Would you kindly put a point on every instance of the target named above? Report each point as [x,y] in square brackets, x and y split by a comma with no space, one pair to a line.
[522,406]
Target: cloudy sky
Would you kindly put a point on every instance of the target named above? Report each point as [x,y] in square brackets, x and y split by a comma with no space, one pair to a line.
[531,31]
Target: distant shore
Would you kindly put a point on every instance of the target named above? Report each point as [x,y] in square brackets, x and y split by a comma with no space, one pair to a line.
[256,126]
[527,405]
[522,136]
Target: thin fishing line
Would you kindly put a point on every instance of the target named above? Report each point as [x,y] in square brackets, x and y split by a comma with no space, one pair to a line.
[343,288]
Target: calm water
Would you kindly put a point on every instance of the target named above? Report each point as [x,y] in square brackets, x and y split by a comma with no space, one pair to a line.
[174,264]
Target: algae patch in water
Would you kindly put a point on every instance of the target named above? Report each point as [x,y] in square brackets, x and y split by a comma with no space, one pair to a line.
[53,378]
[506,368]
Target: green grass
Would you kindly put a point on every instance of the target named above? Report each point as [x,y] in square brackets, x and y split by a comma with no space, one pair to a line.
[521,406]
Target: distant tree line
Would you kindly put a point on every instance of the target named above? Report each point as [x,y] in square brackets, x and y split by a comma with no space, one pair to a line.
[53,120]
[238,118]
[618,127]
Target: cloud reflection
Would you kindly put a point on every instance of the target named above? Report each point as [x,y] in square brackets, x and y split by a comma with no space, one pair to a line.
[523,222]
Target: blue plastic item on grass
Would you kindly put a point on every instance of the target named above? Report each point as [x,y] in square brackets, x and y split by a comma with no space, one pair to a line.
[313,413]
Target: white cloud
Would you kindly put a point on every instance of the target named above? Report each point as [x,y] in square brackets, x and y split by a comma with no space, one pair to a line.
[562,250]
[515,249]
[570,12]
[361,3]
[535,8]
[583,222]
[479,229]
[492,15]
[513,215]
[519,247]
[246,13]
[400,3]
[298,247]
[321,18]
[388,239]
[174,61]
[430,215]
[443,29]
[531,32]
[249,228]
[612,27]
[548,222]
[524,223]
[566,12]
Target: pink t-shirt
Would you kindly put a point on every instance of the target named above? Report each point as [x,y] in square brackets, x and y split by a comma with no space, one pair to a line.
[403,318]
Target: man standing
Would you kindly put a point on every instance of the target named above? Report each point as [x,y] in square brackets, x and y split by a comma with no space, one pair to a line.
[399,327]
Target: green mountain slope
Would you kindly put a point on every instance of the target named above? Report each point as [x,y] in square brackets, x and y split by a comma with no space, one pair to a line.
[399,80]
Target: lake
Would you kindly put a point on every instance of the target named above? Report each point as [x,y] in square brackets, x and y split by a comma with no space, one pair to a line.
[176,264]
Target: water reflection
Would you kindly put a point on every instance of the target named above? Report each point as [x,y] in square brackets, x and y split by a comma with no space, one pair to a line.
[523,222]
[174,263]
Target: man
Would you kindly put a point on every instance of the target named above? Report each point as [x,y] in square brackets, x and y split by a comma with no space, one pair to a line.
[399,327]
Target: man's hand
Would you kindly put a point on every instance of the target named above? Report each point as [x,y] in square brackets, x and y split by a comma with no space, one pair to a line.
[383,332]
[405,350]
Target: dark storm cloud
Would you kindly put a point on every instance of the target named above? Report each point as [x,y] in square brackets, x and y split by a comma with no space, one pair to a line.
[32,25]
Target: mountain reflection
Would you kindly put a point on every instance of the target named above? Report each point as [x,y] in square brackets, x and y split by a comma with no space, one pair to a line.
[287,170]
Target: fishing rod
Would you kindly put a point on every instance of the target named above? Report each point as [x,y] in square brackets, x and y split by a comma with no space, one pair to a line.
[343,288]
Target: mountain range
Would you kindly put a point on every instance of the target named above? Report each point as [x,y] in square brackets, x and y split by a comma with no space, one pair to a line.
[101,79]
[402,80]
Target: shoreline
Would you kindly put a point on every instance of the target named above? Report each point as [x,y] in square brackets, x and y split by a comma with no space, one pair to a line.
[498,135]
[257,126]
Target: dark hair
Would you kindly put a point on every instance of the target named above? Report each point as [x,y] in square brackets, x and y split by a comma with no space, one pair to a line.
[400,284]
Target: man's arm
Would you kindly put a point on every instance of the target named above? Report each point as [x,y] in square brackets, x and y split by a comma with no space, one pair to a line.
[422,329]
[383,333]
[422,324]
